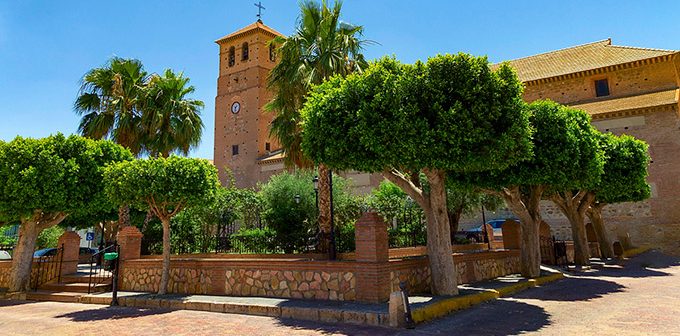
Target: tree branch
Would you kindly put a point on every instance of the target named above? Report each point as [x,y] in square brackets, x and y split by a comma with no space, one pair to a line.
[406,185]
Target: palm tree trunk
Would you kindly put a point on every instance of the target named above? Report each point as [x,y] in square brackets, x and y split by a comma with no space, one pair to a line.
[324,204]
[123,216]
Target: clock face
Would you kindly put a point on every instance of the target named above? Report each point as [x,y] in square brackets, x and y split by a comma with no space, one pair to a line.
[235,107]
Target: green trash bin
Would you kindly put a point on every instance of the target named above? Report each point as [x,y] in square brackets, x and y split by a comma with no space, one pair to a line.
[110,261]
[110,256]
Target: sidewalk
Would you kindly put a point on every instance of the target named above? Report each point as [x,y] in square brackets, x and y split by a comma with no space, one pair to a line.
[424,308]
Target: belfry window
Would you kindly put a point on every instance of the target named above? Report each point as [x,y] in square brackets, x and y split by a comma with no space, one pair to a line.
[244,51]
[601,88]
[232,56]
[272,53]
[234,149]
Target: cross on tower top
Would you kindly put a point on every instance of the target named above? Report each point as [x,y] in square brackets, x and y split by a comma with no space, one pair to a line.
[259,10]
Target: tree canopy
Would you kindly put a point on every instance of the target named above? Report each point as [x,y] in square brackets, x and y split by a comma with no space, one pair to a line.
[625,170]
[56,174]
[451,113]
[166,185]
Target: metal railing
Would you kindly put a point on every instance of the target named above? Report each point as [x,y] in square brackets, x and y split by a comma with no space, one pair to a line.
[48,268]
[101,271]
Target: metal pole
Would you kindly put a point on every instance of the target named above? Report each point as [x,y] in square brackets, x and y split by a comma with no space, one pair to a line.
[484,228]
[114,282]
[332,251]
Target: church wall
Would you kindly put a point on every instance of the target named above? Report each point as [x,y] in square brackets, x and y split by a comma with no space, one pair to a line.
[624,82]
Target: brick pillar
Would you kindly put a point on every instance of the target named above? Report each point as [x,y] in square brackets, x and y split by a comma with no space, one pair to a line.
[372,256]
[130,241]
[511,238]
[71,242]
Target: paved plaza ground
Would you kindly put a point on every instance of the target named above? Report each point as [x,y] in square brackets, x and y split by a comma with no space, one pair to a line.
[641,298]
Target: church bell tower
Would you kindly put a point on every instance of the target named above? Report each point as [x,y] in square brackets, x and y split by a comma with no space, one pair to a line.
[241,125]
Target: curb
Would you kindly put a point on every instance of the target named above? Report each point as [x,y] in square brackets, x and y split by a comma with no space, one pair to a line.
[446,306]
[635,251]
[300,313]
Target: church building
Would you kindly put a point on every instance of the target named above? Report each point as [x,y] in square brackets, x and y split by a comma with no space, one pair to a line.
[625,89]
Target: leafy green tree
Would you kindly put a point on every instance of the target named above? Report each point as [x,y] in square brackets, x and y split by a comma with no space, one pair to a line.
[322,46]
[44,181]
[110,101]
[164,185]
[290,209]
[467,200]
[565,157]
[452,113]
[171,121]
[624,180]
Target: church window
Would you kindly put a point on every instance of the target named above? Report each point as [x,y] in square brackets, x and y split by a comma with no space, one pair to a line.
[267,146]
[244,51]
[272,53]
[232,56]
[601,88]
[234,149]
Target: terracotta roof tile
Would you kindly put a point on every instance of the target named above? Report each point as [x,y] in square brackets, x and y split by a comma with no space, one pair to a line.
[254,26]
[580,58]
[630,103]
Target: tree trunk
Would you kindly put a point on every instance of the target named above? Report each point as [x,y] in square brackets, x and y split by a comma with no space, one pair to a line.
[162,288]
[147,220]
[324,204]
[20,276]
[528,210]
[578,233]
[22,259]
[123,216]
[594,213]
[574,208]
[444,275]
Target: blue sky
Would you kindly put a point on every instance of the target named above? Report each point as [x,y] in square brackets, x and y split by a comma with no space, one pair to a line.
[46,46]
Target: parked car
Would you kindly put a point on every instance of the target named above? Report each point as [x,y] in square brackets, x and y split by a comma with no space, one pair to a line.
[85,254]
[45,252]
[4,255]
[497,225]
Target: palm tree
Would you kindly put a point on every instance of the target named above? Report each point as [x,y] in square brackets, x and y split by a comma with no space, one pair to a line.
[321,47]
[110,101]
[171,121]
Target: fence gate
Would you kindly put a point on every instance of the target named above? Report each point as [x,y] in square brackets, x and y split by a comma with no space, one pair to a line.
[47,268]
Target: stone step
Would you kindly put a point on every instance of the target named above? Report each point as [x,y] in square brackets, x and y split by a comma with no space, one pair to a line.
[41,295]
[85,278]
[76,287]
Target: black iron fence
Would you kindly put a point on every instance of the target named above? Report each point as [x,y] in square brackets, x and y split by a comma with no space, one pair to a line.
[47,268]
[101,270]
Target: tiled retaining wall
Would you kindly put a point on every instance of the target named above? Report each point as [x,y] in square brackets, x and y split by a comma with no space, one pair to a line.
[301,279]
[471,267]
[246,277]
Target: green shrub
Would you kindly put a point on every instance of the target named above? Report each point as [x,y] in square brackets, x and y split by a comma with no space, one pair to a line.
[290,209]
[254,240]
[49,237]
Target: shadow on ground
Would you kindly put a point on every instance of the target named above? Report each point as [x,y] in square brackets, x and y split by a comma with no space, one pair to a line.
[10,303]
[501,317]
[574,289]
[645,265]
[111,313]
[339,329]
